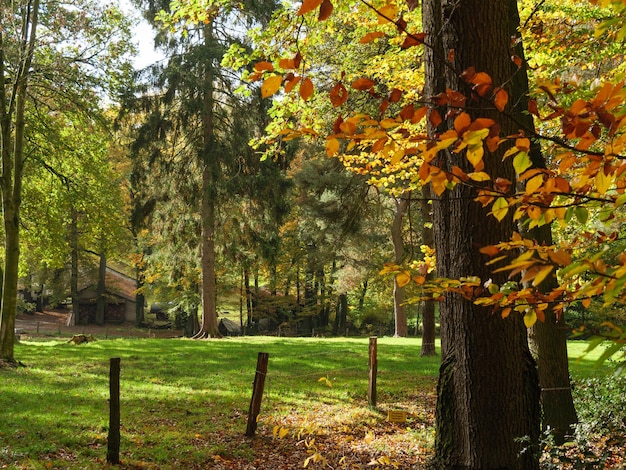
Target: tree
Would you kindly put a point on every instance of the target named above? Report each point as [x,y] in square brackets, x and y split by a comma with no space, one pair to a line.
[487,369]
[36,65]
[12,127]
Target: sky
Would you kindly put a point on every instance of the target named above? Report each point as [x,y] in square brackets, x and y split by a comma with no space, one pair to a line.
[143,36]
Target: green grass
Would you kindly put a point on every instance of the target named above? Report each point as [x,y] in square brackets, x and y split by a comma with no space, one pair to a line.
[185,402]
[177,392]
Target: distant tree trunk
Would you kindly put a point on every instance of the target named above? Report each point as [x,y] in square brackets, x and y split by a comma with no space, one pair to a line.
[399,310]
[428,306]
[487,414]
[363,293]
[101,290]
[74,267]
[323,312]
[248,293]
[341,314]
[140,299]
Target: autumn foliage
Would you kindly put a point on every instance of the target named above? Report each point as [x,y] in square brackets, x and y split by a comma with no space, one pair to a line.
[582,190]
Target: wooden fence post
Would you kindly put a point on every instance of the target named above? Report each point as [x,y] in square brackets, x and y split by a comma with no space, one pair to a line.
[113,443]
[257,393]
[373,362]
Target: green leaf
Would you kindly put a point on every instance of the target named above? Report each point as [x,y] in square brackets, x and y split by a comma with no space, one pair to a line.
[582,214]
[521,162]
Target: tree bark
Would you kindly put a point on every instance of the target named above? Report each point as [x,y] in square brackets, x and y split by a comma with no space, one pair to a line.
[210,171]
[487,414]
[428,309]
[74,266]
[12,124]
[399,309]
[547,339]
[101,290]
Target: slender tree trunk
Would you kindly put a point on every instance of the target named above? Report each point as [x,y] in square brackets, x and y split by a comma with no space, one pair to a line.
[399,310]
[428,306]
[74,267]
[101,293]
[363,293]
[487,414]
[12,152]
[140,299]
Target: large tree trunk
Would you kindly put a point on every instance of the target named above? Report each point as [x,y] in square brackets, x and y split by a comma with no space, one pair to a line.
[547,339]
[399,309]
[428,310]
[210,172]
[208,328]
[487,414]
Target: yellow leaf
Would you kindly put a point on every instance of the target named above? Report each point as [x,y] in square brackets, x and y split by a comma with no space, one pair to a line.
[397,156]
[530,318]
[475,155]
[603,182]
[534,183]
[479,176]
[500,208]
[271,85]
[387,14]
[505,312]
[282,432]
[403,278]
[542,274]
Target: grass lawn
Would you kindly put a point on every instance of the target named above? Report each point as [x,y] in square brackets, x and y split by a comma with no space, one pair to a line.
[185,403]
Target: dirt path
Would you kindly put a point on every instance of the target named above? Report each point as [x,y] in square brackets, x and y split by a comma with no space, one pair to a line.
[54,323]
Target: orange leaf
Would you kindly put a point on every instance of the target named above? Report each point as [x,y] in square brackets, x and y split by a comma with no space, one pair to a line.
[395,95]
[387,14]
[307,6]
[462,122]
[435,118]
[407,112]
[291,83]
[306,88]
[263,66]
[489,250]
[363,84]
[369,37]
[286,64]
[419,115]
[332,147]
[338,95]
[413,40]
[326,8]
[271,85]
[501,98]
[517,61]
